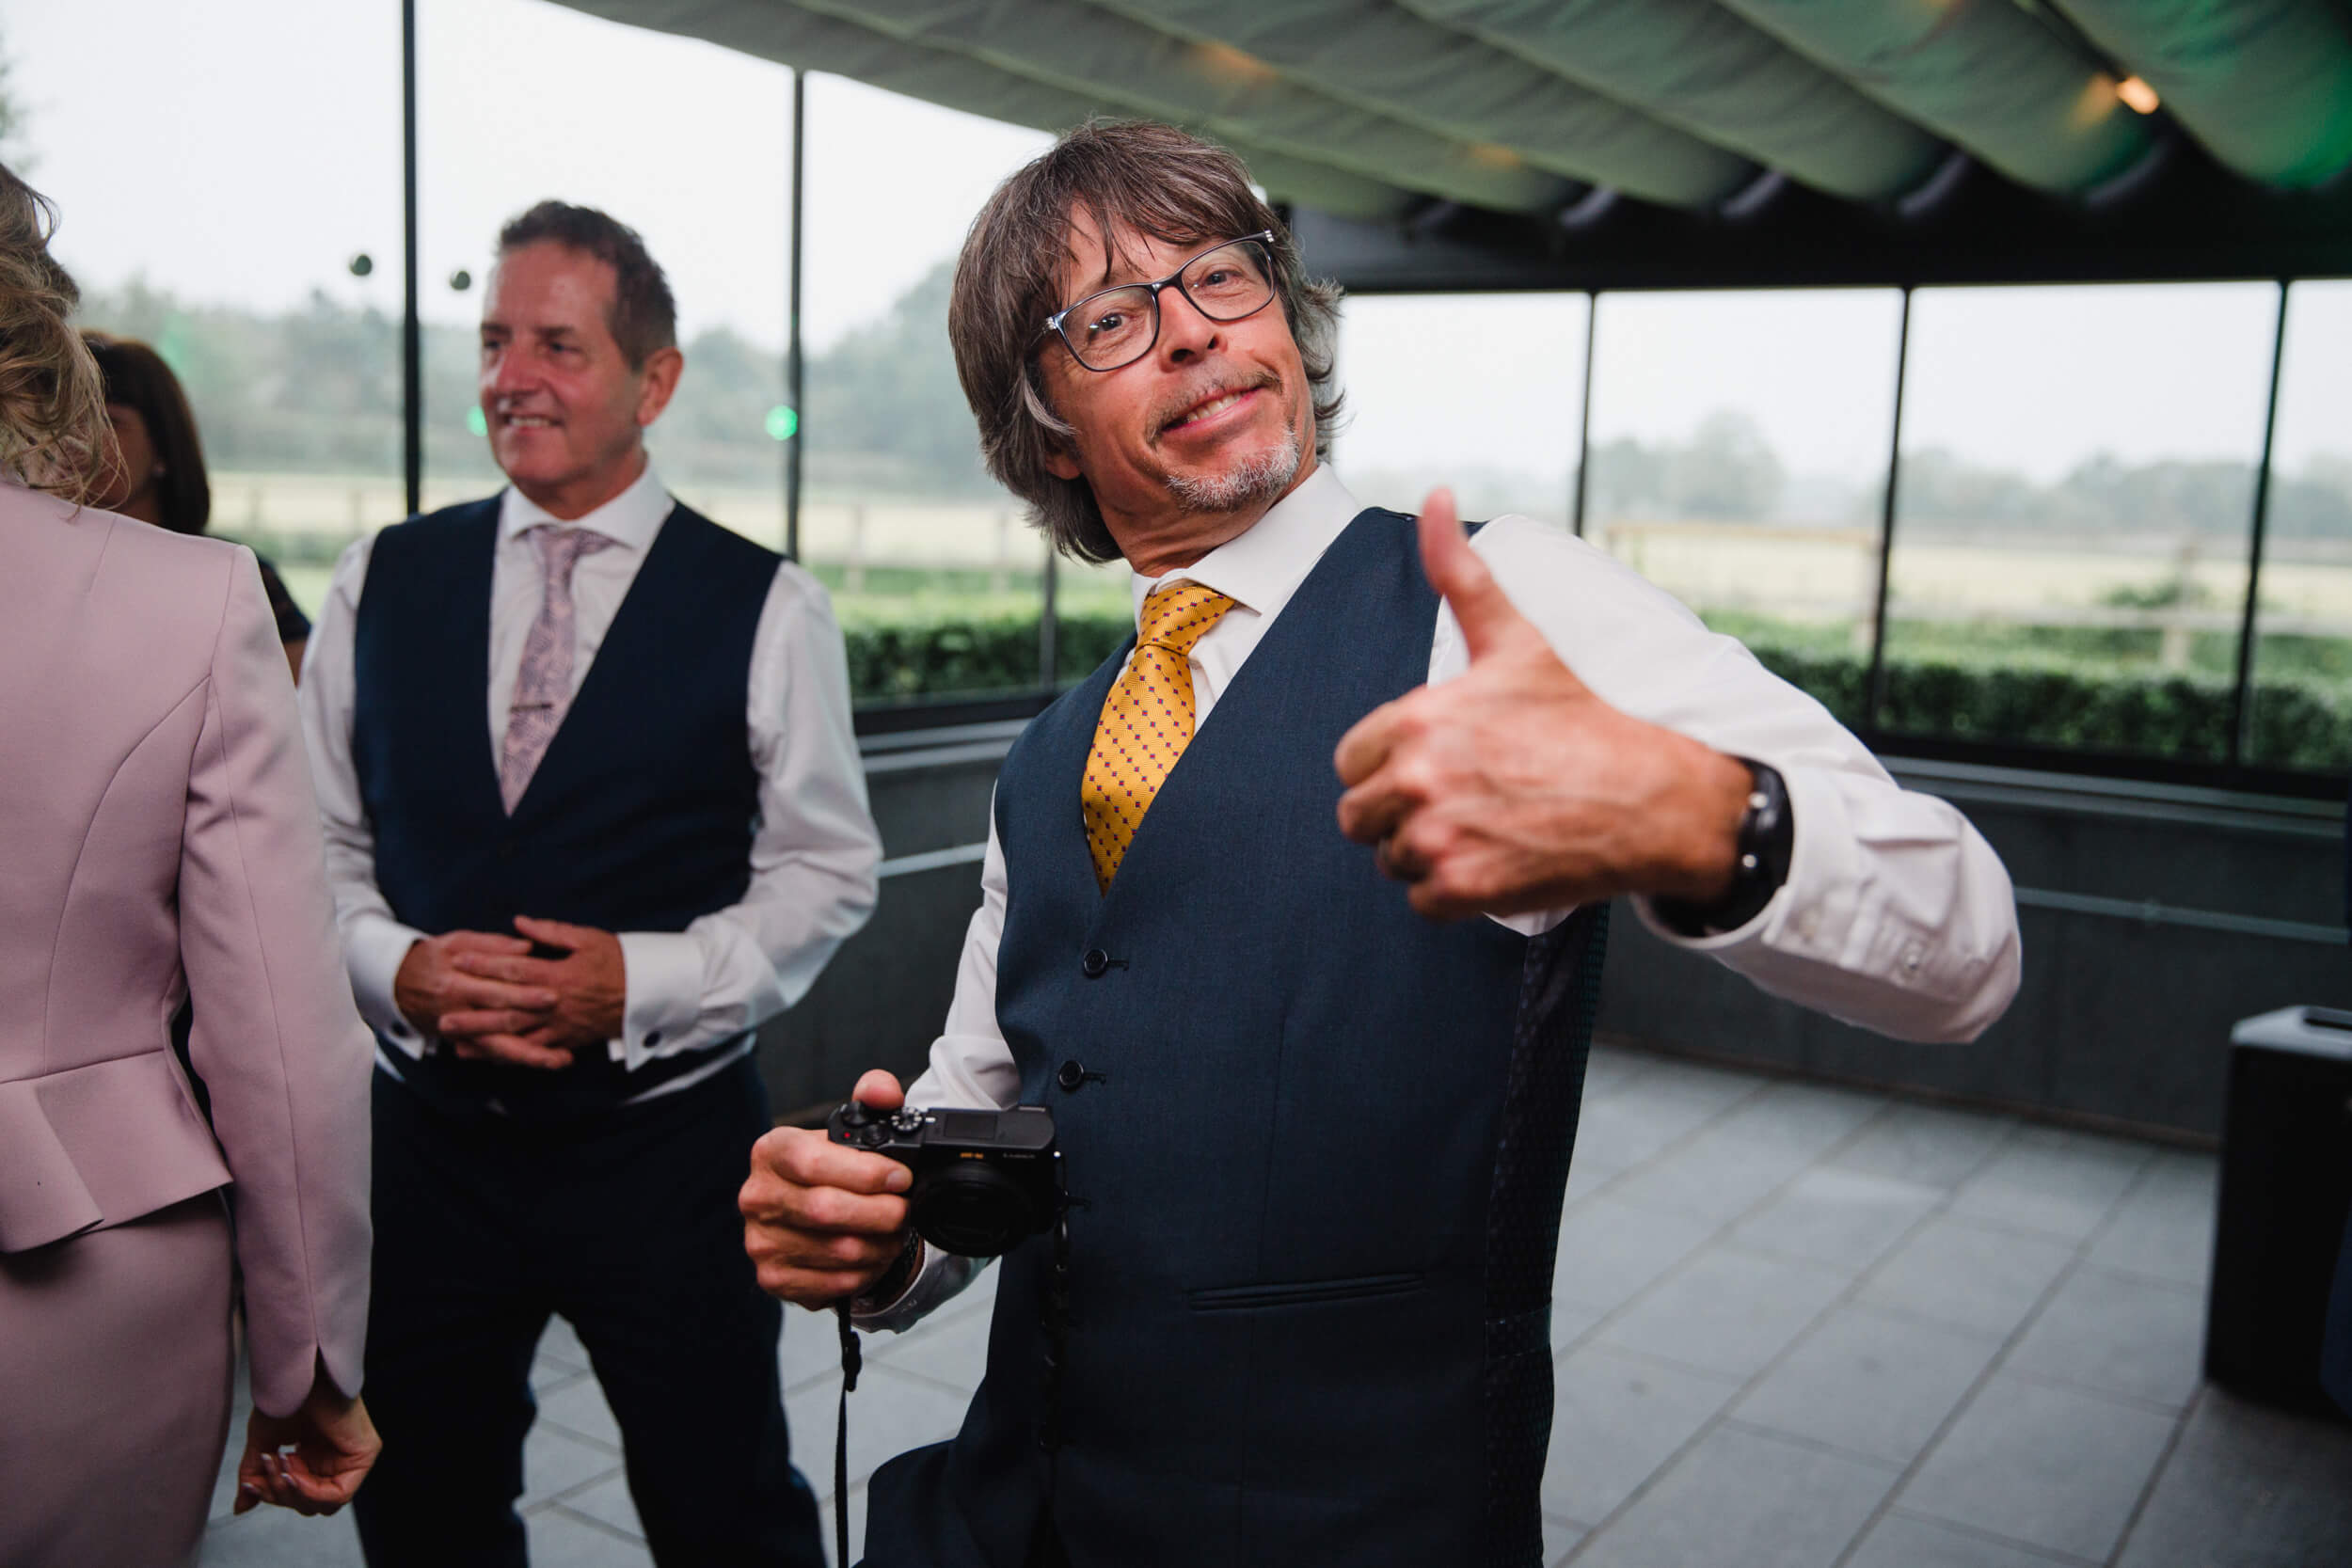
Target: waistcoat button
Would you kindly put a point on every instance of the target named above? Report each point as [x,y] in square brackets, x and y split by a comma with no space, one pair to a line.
[1095,963]
[1072,1074]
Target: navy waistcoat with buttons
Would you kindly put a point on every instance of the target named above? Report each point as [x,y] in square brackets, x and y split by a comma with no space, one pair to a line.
[641,814]
[1319,1146]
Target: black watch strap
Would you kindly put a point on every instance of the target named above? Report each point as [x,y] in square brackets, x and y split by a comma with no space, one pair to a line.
[893,1283]
[1768,835]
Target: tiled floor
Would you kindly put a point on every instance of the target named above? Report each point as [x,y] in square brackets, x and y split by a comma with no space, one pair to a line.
[1796,1327]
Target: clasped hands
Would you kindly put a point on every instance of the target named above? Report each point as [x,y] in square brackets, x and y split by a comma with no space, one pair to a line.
[489,1000]
[1513,787]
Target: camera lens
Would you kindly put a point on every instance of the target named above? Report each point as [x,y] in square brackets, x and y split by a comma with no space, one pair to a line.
[973,1210]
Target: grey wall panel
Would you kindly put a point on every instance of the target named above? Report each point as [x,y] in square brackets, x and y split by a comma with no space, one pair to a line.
[882,998]
[2121,1016]
[2115,1022]
[885,993]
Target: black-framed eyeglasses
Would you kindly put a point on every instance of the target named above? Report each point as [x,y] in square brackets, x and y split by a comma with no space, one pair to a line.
[1118,326]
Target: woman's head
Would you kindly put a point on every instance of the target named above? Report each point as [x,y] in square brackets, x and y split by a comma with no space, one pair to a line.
[161,476]
[54,434]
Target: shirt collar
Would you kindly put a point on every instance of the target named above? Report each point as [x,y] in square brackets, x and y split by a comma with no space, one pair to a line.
[1260,568]
[631,519]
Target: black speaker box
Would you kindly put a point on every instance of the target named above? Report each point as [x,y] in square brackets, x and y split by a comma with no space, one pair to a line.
[2286,1185]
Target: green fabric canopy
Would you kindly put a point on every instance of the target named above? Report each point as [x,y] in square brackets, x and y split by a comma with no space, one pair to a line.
[1365,108]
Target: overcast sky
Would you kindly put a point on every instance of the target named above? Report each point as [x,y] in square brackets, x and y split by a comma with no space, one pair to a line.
[243,151]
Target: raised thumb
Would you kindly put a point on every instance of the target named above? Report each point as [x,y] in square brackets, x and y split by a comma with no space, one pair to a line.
[1454,570]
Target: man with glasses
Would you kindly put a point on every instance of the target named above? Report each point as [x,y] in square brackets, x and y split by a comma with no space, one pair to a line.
[1316,1142]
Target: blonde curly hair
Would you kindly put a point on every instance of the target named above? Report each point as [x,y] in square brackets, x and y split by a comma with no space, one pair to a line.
[54,434]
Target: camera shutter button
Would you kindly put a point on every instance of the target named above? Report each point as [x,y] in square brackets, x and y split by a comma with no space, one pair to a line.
[1095,963]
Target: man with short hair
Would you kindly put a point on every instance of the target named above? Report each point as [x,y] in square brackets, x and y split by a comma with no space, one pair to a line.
[1317,1142]
[564,925]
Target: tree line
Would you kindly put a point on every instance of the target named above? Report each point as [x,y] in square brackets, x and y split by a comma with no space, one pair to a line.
[317,388]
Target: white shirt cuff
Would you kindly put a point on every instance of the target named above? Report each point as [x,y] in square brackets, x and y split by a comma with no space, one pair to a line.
[941,1277]
[374,948]
[663,975]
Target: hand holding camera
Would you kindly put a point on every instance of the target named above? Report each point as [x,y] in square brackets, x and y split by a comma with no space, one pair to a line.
[823,1220]
[826,1215]
[984,1180]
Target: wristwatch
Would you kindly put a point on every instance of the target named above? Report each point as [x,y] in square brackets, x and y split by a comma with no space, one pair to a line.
[1767,835]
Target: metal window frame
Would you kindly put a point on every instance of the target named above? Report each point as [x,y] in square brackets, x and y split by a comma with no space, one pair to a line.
[1802,242]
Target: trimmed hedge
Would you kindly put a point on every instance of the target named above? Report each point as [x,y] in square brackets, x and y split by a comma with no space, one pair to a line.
[2299,722]
[894,661]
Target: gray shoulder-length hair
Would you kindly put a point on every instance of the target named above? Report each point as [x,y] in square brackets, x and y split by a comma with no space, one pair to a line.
[1136,176]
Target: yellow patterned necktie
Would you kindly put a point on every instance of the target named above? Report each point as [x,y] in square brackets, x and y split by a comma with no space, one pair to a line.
[1146,722]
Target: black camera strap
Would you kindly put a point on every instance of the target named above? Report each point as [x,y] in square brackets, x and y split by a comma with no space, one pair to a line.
[852,1358]
[1055,1317]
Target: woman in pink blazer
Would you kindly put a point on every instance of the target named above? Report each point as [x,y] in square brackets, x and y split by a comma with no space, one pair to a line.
[158,847]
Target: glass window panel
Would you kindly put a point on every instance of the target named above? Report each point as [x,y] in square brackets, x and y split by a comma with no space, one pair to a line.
[1738,457]
[517,104]
[2074,512]
[170,159]
[1480,392]
[939,580]
[2302,697]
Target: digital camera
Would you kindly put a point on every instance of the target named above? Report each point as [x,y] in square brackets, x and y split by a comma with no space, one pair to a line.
[984,1180]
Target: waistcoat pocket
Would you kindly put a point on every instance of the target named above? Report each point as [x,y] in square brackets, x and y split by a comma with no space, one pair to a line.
[1306,1292]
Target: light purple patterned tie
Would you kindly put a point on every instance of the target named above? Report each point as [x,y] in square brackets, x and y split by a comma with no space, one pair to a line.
[542,687]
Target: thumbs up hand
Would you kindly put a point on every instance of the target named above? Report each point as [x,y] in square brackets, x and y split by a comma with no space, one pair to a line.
[1514,787]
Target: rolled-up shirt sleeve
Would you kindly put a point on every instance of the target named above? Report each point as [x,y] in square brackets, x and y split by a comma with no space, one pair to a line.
[1896,914]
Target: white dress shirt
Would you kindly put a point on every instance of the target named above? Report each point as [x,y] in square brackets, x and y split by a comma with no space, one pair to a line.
[1896,914]
[814,850]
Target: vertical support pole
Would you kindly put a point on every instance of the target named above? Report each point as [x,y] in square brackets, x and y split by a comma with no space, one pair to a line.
[1874,697]
[2242,698]
[411,325]
[1584,417]
[792,370]
[1048,669]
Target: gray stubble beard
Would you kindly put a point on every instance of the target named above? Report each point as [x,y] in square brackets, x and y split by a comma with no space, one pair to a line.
[1260,477]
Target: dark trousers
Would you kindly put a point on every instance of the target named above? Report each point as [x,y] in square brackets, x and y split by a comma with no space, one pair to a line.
[626,1227]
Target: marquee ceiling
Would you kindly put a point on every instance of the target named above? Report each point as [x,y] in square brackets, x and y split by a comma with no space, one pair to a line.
[1379,110]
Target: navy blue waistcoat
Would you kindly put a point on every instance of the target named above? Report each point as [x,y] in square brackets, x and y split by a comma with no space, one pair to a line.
[1321,1176]
[640,816]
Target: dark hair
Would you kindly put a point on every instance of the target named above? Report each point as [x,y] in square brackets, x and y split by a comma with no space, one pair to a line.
[53,422]
[136,376]
[1145,177]
[644,317]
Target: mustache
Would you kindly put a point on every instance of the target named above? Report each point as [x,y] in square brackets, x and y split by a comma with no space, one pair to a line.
[1172,408]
